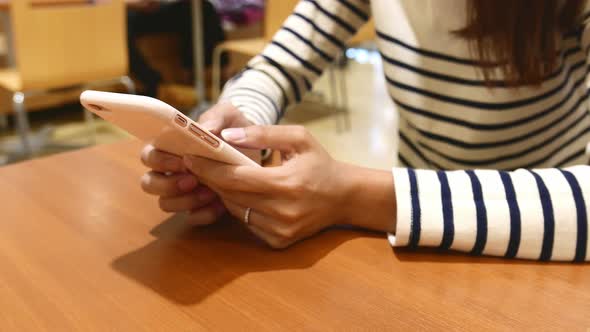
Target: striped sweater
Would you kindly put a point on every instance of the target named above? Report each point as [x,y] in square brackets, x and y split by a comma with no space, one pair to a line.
[504,185]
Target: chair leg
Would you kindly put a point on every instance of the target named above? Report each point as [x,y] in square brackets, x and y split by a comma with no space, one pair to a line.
[3,121]
[216,74]
[3,125]
[91,126]
[334,96]
[22,122]
[128,83]
[344,97]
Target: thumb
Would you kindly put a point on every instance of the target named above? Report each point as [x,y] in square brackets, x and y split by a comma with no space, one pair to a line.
[283,138]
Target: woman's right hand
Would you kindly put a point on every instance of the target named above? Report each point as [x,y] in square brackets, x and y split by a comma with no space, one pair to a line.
[177,189]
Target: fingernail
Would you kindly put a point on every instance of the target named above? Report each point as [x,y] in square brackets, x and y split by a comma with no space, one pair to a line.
[234,134]
[211,124]
[187,183]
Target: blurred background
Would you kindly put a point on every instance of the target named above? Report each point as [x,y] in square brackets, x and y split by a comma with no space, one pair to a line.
[179,51]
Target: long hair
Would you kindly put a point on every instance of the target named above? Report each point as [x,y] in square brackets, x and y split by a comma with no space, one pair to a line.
[520,37]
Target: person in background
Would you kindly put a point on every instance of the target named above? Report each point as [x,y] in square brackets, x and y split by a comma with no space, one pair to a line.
[237,13]
[493,108]
[145,17]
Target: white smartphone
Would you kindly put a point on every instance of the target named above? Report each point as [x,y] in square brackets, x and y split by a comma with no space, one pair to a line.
[160,124]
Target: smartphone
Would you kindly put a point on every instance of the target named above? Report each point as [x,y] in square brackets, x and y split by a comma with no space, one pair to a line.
[160,124]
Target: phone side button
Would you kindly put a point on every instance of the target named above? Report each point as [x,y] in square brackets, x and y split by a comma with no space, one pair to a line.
[180,120]
[212,141]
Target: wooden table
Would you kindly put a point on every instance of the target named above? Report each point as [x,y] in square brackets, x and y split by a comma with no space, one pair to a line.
[82,248]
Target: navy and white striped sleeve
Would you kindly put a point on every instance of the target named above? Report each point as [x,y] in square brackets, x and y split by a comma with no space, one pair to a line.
[307,43]
[539,214]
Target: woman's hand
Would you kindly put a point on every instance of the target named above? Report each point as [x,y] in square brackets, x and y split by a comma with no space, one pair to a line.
[177,189]
[310,191]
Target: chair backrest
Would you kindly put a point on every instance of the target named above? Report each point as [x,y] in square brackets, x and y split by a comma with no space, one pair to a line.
[275,13]
[61,45]
[365,34]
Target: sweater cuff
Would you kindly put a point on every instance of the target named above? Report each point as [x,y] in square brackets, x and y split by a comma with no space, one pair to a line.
[402,193]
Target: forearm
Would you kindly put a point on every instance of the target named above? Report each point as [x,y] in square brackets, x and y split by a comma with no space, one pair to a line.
[370,199]
[532,214]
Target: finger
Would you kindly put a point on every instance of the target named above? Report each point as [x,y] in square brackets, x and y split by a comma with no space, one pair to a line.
[218,117]
[283,138]
[260,221]
[161,161]
[168,185]
[270,238]
[188,202]
[231,177]
[264,203]
[207,214]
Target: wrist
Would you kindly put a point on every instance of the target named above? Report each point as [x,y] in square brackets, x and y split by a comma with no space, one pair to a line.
[369,199]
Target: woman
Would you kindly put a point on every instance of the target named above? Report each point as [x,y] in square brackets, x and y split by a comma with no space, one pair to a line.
[479,84]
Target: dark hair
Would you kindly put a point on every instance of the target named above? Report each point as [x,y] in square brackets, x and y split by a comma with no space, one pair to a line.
[521,37]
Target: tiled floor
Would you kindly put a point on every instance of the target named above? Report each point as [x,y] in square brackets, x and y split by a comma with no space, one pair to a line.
[371,140]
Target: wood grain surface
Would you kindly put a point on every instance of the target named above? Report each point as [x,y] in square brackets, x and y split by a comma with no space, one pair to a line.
[83,248]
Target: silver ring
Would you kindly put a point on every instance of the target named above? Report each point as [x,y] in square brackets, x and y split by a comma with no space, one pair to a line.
[247,216]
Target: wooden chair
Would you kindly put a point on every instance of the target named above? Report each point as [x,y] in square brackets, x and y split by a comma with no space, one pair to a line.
[59,46]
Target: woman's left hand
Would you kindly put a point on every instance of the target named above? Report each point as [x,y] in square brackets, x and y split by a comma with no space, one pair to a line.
[307,193]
